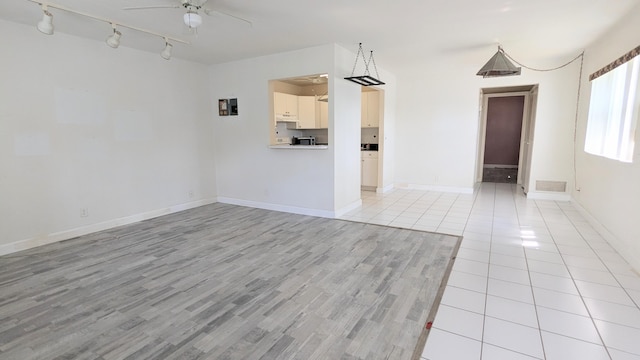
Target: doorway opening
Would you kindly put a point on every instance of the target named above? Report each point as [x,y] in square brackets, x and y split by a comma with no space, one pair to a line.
[506,134]
[372,139]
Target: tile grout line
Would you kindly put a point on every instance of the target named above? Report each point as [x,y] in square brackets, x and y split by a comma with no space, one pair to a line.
[599,258]
[526,260]
[486,293]
[573,280]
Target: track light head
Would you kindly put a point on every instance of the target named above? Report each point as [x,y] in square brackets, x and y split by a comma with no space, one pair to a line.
[45,25]
[114,39]
[166,53]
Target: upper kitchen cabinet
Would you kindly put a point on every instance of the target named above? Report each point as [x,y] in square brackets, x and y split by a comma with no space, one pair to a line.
[322,114]
[306,112]
[370,117]
[285,106]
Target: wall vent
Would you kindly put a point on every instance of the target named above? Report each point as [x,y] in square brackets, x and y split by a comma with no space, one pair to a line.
[546,185]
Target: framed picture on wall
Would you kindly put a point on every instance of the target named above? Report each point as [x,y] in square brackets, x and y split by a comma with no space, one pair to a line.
[233,107]
[223,107]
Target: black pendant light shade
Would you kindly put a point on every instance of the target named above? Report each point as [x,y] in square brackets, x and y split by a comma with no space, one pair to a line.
[499,65]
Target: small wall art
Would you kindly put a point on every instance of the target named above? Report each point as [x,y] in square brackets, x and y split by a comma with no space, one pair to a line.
[223,107]
[233,107]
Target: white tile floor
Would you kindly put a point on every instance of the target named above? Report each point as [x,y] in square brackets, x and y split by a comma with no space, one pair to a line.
[532,280]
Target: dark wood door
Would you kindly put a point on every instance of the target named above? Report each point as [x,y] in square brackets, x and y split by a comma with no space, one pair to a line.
[502,139]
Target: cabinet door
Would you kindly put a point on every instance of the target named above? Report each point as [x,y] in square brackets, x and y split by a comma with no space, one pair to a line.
[322,118]
[363,109]
[306,112]
[370,107]
[279,104]
[285,106]
[292,105]
[373,108]
[369,169]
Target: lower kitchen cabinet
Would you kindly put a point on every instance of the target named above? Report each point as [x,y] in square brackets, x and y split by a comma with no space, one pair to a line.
[369,168]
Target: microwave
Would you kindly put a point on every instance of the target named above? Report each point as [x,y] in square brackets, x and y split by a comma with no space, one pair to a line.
[304,140]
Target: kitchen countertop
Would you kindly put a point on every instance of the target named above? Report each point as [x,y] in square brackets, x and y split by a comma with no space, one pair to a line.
[299,147]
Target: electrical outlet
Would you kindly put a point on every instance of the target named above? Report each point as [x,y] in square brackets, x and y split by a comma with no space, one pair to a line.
[190,193]
[84,212]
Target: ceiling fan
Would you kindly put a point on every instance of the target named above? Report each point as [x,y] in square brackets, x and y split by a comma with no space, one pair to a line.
[191,18]
[310,80]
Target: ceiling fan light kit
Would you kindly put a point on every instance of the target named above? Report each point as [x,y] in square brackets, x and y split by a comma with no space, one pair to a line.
[45,26]
[366,79]
[192,19]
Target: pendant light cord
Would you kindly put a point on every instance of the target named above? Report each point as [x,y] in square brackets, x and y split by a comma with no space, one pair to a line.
[581,55]
[575,122]
[575,126]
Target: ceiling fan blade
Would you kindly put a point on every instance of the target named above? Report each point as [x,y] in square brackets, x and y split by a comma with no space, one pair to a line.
[153,7]
[210,12]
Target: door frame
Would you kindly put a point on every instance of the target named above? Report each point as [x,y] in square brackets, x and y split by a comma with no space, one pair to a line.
[528,137]
[524,155]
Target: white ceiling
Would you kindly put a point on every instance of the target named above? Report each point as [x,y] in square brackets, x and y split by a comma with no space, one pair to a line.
[402,33]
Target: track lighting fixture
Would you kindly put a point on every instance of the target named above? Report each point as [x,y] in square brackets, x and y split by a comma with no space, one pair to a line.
[45,25]
[114,39]
[166,53]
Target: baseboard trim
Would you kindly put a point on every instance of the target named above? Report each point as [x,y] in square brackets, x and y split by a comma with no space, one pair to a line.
[354,205]
[30,243]
[439,188]
[543,195]
[623,249]
[385,189]
[277,207]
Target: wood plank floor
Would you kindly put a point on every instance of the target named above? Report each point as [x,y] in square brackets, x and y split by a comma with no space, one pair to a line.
[224,282]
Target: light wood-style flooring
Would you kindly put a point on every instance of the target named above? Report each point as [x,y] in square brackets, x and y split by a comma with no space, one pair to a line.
[224,282]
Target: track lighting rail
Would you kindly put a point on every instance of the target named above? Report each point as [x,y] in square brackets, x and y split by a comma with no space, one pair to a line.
[45,5]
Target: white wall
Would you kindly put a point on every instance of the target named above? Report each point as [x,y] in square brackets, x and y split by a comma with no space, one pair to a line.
[318,182]
[438,112]
[610,190]
[344,132]
[250,173]
[122,133]
[387,149]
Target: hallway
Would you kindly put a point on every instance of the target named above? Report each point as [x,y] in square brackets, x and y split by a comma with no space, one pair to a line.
[532,280]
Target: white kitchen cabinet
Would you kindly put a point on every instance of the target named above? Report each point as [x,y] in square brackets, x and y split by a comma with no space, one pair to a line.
[322,114]
[285,106]
[306,112]
[370,107]
[369,168]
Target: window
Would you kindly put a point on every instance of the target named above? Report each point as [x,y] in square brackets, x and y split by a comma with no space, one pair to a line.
[613,112]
